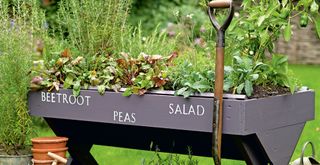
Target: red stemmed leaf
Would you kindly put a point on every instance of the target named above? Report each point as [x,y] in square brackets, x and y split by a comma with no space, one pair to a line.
[172,56]
[122,63]
[134,62]
[159,82]
[66,53]
[37,80]
[142,91]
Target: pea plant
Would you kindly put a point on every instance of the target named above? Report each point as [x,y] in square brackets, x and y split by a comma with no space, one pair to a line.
[260,24]
[255,29]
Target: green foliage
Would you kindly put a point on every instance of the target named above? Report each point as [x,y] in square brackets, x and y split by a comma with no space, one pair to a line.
[134,42]
[172,159]
[260,24]
[255,29]
[146,72]
[187,80]
[104,72]
[94,37]
[92,27]
[242,75]
[310,11]
[245,73]
[317,24]
[137,77]
[151,13]
[112,55]
[19,25]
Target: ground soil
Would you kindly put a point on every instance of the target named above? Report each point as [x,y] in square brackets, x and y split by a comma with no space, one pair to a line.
[270,90]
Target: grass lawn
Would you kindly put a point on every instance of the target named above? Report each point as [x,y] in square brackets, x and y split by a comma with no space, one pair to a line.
[309,76]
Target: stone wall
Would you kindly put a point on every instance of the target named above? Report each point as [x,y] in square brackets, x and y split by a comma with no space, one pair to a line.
[304,47]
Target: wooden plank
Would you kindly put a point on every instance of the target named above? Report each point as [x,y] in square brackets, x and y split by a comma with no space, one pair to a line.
[241,117]
[279,111]
[150,110]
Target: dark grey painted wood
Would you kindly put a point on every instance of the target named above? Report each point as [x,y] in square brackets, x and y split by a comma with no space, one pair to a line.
[241,117]
[274,112]
[148,110]
[255,130]
[280,143]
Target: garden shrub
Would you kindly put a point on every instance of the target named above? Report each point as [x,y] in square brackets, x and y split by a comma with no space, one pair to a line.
[19,23]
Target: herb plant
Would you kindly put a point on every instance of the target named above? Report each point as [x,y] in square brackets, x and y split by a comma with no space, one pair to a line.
[92,27]
[20,22]
[187,79]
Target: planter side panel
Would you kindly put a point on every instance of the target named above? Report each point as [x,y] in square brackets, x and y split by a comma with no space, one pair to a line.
[279,111]
[241,117]
[150,110]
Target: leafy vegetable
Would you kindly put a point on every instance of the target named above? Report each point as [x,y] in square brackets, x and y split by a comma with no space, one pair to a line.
[287,32]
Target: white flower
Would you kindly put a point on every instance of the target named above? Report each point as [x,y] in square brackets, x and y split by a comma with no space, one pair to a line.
[144,39]
[236,14]
[251,52]
[190,16]
[176,13]
[39,62]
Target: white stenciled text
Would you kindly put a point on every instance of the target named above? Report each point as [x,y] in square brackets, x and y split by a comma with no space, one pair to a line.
[63,98]
[183,109]
[124,117]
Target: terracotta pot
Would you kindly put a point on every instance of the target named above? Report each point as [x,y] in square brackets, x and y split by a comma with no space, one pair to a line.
[42,154]
[43,162]
[49,142]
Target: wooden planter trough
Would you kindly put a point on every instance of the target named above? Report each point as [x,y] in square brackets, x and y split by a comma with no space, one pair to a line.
[259,131]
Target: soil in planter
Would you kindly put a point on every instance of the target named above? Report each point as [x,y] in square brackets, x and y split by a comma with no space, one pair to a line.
[19,156]
[20,151]
[270,90]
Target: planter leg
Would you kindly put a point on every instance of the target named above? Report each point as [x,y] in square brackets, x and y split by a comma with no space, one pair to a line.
[69,161]
[80,154]
[79,151]
[280,143]
[251,150]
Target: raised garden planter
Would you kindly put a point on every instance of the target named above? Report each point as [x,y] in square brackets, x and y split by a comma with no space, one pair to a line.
[259,131]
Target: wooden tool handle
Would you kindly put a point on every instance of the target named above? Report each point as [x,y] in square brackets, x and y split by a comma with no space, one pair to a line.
[220,4]
[57,157]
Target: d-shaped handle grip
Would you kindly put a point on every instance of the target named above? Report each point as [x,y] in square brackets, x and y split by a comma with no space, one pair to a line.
[220,28]
[220,4]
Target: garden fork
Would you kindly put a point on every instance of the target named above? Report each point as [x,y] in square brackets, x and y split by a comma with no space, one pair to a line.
[219,74]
